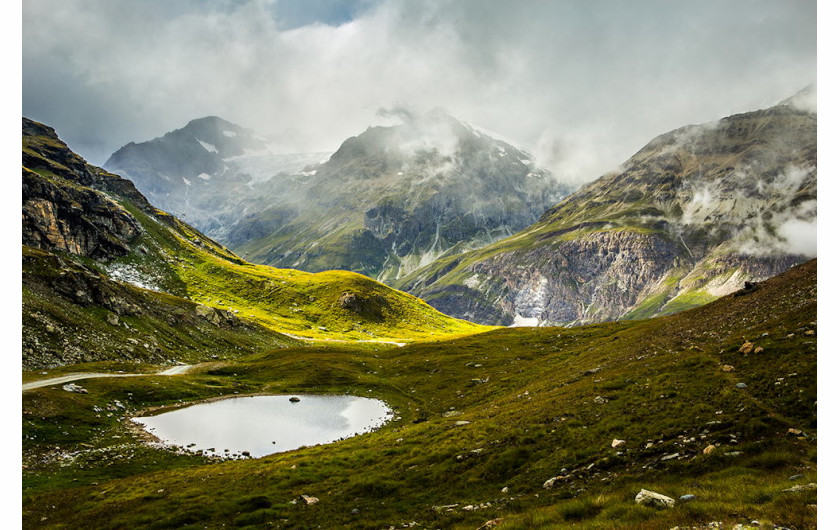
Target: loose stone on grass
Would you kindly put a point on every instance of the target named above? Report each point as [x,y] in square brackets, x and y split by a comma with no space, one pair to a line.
[654,500]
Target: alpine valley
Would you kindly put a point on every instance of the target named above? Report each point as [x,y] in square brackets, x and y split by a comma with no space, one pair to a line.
[679,392]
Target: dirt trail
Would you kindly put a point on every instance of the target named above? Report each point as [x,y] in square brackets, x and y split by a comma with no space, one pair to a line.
[175,370]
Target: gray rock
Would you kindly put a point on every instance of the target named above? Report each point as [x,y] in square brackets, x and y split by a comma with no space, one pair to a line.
[654,500]
[73,387]
[309,500]
[548,484]
[741,385]
[688,498]
[801,487]
[796,477]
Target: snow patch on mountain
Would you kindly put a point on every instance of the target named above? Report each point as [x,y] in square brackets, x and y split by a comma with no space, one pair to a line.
[209,147]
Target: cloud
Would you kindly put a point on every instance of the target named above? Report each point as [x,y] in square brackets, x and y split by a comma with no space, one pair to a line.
[582,84]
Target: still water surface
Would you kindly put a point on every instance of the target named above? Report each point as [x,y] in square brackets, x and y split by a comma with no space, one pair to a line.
[262,425]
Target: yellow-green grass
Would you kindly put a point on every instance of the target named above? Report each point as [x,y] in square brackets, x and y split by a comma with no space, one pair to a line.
[529,396]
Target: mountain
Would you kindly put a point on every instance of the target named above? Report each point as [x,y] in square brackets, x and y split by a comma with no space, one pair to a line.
[387,202]
[206,172]
[103,269]
[692,216]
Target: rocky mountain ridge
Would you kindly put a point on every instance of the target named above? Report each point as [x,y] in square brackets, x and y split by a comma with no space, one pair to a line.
[386,202]
[690,217]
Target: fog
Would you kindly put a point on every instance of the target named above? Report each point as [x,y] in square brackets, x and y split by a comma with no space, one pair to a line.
[582,85]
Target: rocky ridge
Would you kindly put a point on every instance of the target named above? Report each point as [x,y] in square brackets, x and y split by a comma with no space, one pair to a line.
[388,201]
[689,218]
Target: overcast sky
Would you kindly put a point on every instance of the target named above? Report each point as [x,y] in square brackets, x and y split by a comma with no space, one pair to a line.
[582,84]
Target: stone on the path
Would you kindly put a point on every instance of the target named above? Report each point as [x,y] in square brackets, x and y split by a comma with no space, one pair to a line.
[654,500]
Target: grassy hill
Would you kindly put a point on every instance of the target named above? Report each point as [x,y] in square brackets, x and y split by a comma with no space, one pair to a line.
[483,422]
[102,268]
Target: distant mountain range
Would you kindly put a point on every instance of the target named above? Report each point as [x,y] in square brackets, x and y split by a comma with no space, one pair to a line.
[692,216]
[387,202]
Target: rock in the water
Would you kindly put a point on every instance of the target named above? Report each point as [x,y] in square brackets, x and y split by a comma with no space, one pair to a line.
[73,387]
[654,500]
[309,500]
[616,442]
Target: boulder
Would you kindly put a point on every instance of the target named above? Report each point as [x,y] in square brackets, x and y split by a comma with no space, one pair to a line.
[708,450]
[728,368]
[73,387]
[746,347]
[308,499]
[616,442]
[741,385]
[687,498]
[548,484]
[654,500]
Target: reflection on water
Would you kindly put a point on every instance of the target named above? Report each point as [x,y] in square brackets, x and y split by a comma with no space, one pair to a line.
[261,425]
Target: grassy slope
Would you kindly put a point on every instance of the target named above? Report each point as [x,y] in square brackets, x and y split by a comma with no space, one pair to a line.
[183,262]
[535,415]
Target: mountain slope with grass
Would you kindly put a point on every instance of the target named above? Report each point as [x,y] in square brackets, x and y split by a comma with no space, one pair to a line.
[388,201]
[690,217]
[714,407]
[108,276]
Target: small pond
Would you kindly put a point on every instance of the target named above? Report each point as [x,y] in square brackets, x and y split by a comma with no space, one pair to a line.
[262,425]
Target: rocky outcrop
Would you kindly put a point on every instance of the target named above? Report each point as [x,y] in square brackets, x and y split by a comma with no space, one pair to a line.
[71,219]
[691,217]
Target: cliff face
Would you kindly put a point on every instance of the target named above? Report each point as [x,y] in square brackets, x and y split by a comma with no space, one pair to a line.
[689,218]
